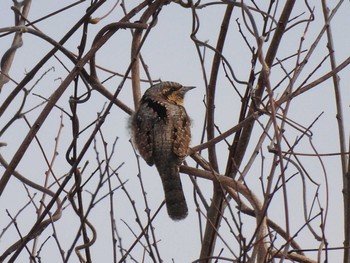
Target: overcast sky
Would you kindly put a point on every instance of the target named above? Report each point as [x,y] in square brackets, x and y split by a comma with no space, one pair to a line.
[170,55]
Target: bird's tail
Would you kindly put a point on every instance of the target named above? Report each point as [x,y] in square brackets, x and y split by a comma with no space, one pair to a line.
[174,195]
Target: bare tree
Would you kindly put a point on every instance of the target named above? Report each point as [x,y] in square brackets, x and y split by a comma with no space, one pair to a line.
[268,166]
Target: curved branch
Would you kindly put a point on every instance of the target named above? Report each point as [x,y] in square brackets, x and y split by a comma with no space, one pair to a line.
[42,226]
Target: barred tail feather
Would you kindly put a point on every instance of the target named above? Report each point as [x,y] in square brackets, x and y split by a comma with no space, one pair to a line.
[174,195]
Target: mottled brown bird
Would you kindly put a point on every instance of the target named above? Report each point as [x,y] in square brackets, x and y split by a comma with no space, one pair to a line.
[161,133]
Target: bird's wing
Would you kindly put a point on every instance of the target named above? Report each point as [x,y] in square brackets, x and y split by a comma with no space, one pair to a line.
[143,126]
[181,134]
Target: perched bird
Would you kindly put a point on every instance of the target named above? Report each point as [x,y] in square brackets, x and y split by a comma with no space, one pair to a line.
[161,133]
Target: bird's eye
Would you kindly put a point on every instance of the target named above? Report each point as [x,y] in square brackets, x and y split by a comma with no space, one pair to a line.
[175,89]
[167,91]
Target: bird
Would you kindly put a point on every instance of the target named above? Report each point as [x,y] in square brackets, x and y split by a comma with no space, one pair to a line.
[161,132]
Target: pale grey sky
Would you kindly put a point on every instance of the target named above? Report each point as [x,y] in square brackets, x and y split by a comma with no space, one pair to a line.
[171,55]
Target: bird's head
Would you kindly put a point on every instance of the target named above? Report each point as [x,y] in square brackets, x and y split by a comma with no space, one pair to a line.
[171,91]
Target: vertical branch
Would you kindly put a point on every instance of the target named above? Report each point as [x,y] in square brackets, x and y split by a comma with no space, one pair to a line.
[214,213]
[212,86]
[17,42]
[342,144]
[215,209]
[135,48]
[238,155]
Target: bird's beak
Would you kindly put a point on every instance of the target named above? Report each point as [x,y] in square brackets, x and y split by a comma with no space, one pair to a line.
[187,88]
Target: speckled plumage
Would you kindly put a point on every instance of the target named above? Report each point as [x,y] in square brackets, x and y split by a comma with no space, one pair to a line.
[161,133]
